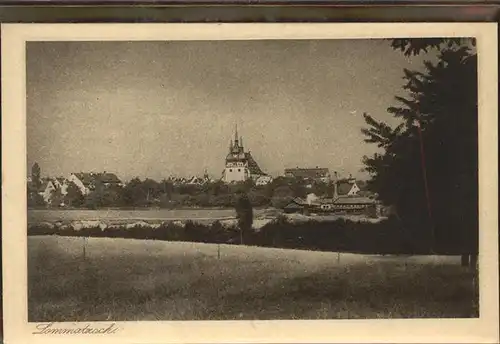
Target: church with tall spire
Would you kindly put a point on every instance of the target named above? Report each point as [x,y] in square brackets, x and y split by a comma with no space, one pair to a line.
[240,165]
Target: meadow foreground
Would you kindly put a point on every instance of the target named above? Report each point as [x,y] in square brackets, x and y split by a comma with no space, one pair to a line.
[124,279]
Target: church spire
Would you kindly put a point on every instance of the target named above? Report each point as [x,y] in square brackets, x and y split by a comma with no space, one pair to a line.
[236,135]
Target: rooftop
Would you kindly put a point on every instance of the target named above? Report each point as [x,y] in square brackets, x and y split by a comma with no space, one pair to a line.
[343,188]
[88,178]
[317,172]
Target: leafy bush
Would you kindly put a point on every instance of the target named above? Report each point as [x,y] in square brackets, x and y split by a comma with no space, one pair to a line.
[258,198]
[280,202]
[224,200]
[385,237]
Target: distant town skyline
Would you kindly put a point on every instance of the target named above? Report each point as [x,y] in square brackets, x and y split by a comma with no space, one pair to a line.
[156,109]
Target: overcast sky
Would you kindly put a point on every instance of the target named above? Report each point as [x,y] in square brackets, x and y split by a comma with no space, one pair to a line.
[154,109]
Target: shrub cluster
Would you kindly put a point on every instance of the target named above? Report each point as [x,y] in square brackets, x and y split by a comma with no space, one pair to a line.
[385,237]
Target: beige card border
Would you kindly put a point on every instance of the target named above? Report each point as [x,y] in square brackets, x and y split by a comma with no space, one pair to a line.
[17,330]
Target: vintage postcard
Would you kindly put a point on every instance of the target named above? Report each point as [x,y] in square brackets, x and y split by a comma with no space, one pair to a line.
[222,183]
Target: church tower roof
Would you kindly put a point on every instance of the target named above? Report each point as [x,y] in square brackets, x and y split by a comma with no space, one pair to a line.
[236,147]
[237,144]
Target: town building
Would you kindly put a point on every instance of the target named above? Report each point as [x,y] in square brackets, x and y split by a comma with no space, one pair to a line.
[347,198]
[309,174]
[62,184]
[87,182]
[196,181]
[240,165]
[341,204]
[177,180]
[108,179]
[46,189]
[82,180]
[263,180]
[347,187]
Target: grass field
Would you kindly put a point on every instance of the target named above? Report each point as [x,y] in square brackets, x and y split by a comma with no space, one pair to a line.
[122,279]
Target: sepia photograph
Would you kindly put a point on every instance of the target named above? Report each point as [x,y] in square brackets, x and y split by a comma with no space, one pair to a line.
[332,179]
[252,180]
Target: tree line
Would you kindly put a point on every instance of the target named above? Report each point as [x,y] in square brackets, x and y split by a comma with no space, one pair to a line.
[138,193]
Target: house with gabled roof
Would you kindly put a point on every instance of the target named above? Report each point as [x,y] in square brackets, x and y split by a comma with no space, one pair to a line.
[347,187]
[108,179]
[83,181]
[86,181]
[46,189]
[61,184]
[196,181]
[310,174]
[263,180]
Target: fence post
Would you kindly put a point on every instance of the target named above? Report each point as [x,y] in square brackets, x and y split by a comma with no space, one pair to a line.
[218,251]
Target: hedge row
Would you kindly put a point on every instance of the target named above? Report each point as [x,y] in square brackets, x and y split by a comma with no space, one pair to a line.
[385,237]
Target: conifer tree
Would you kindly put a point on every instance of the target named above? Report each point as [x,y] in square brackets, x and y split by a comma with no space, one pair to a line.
[36,178]
[428,167]
[244,214]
